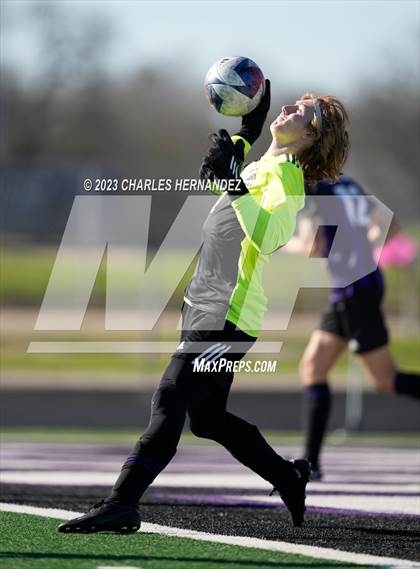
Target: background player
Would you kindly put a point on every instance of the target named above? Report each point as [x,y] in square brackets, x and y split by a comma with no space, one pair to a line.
[354,318]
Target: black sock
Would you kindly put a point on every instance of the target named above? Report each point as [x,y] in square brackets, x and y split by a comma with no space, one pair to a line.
[317,410]
[135,477]
[407,384]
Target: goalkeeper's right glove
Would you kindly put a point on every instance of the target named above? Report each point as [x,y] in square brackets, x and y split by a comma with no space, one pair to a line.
[223,161]
[253,122]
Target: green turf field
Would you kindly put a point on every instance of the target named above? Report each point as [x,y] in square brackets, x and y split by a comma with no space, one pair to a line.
[32,542]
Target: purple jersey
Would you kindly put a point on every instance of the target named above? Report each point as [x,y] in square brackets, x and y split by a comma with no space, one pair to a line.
[354,256]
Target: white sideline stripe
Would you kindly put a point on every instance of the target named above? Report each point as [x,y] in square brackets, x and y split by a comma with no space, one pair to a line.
[247,481]
[376,504]
[282,546]
[372,478]
[177,480]
[215,472]
[362,488]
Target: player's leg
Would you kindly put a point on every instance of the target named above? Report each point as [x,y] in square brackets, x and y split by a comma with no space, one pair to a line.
[372,346]
[210,419]
[119,512]
[158,444]
[319,357]
[380,368]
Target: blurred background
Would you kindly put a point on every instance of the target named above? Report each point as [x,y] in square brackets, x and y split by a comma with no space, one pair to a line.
[114,89]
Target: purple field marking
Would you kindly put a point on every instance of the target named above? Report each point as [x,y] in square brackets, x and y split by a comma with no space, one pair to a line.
[229,501]
[330,469]
[205,457]
[192,450]
[341,465]
[197,469]
[313,492]
[180,461]
[206,454]
[223,458]
[348,493]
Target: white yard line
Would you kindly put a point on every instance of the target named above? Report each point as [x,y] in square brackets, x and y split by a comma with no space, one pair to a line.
[281,546]
[42,474]
[198,465]
[191,480]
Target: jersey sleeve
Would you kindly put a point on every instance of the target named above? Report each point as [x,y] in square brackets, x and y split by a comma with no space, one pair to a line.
[270,225]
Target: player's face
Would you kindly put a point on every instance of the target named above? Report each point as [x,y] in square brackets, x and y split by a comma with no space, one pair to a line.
[291,125]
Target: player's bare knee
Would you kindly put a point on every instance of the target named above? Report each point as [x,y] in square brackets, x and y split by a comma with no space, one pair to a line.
[309,370]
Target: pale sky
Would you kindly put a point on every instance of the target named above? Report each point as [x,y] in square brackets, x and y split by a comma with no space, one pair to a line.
[333,45]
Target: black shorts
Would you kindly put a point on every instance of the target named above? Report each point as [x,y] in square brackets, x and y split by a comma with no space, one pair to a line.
[210,336]
[359,320]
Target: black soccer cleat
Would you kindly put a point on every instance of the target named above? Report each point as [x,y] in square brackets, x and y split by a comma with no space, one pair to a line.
[293,495]
[105,516]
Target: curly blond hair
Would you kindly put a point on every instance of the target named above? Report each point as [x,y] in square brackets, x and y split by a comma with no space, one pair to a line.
[326,157]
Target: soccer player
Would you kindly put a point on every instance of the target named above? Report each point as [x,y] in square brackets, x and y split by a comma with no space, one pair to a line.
[354,318]
[225,302]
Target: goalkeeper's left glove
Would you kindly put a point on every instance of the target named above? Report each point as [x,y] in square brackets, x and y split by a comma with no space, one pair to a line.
[224,161]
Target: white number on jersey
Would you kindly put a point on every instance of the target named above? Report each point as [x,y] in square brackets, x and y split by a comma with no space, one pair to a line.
[355,204]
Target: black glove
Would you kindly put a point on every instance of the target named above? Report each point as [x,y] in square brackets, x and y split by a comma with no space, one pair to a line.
[253,122]
[223,162]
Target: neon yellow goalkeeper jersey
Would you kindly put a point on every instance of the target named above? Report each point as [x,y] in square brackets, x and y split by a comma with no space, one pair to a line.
[238,236]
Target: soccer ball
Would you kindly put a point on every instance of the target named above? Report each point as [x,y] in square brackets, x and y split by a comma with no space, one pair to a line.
[234,86]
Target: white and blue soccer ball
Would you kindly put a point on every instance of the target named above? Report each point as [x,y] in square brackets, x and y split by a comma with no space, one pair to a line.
[234,86]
